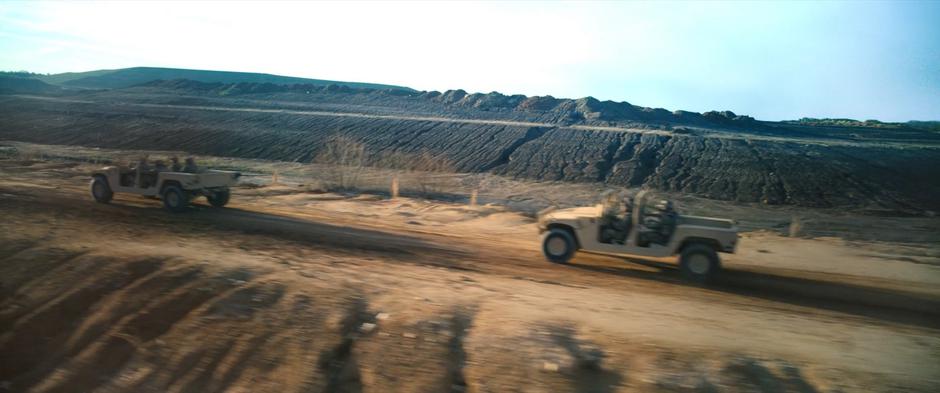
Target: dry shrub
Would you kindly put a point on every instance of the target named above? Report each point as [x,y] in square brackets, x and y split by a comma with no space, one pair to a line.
[432,173]
[29,154]
[8,152]
[349,157]
[423,173]
[796,227]
[313,187]
[428,173]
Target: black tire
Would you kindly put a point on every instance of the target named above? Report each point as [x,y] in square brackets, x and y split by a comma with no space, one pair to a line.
[219,198]
[699,263]
[559,246]
[175,199]
[101,190]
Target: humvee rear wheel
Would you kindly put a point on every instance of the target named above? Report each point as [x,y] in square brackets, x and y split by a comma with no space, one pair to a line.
[100,190]
[175,199]
[699,263]
[558,246]
[218,198]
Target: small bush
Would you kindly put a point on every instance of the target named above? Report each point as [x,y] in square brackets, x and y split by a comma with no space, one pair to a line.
[427,173]
[796,227]
[349,157]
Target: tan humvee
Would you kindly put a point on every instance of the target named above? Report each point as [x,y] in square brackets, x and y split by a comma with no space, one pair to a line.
[634,227]
[176,189]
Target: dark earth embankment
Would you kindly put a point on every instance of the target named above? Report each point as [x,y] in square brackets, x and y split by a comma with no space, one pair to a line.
[716,154]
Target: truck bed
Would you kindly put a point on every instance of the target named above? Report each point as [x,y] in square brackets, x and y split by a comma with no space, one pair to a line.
[706,222]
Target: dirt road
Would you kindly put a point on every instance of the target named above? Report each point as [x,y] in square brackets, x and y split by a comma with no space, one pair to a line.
[295,291]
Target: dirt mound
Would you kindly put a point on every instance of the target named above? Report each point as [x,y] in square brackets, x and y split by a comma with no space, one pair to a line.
[586,110]
[541,138]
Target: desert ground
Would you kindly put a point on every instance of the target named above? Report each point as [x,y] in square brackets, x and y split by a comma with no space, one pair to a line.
[295,288]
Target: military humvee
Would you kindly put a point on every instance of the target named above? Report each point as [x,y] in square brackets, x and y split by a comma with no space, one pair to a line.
[634,227]
[176,189]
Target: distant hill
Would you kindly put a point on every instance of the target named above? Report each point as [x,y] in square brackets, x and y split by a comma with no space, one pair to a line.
[809,121]
[21,83]
[925,125]
[126,77]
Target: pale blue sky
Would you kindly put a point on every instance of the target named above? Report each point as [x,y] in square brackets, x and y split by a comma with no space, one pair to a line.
[785,60]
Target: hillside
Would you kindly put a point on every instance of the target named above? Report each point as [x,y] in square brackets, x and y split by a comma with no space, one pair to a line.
[125,77]
[13,83]
[586,111]
[721,155]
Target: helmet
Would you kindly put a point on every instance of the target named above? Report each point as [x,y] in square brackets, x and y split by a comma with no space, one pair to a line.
[664,205]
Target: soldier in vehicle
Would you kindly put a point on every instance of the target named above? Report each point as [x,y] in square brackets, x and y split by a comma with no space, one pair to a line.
[141,164]
[160,166]
[608,217]
[668,219]
[626,221]
[142,169]
[175,165]
[660,223]
[190,166]
[619,220]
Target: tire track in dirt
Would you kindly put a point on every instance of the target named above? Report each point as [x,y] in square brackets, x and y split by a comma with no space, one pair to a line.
[101,361]
[15,278]
[38,336]
[227,339]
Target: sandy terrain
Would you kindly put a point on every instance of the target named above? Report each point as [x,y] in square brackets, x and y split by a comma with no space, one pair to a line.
[293,290]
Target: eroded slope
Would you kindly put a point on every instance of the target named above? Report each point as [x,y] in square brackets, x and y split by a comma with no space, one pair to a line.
[756,163]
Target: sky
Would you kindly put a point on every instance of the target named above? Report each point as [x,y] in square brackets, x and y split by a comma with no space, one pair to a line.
[770,60]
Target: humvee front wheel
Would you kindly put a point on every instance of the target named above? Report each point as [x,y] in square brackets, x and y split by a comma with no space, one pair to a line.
[175,199]
[558,246]
[218,198]
[100,190]
[699,263]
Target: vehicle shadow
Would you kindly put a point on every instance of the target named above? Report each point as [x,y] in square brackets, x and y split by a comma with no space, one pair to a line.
[888,305]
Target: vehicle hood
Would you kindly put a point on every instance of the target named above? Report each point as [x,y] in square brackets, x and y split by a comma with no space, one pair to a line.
[568,214]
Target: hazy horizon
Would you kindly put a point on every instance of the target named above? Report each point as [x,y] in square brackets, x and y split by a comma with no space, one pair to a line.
[773,61]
